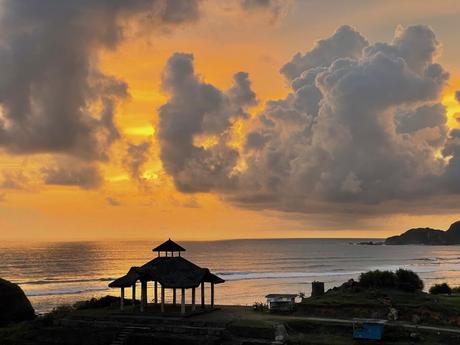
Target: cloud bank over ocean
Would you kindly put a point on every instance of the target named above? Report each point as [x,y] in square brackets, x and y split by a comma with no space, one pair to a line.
[362,129]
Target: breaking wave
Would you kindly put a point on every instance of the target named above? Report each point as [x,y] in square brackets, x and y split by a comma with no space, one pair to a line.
[64,281]
[64,291]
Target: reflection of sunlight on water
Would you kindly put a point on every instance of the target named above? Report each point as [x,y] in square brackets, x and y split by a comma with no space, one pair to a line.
[57,273]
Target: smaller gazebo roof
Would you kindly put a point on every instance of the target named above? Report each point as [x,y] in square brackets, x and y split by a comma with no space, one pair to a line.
[169,246]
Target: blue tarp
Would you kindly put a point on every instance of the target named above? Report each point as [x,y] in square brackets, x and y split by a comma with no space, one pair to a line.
[369,330]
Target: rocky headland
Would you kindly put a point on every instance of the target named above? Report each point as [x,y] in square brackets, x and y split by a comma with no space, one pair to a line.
[428,236]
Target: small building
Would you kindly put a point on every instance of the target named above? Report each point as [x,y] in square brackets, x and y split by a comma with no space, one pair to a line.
[317,289]
[281,302]
[169,270]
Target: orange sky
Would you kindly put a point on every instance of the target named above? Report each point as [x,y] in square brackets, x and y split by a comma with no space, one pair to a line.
[223,42]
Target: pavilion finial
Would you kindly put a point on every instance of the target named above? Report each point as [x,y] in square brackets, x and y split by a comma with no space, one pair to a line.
[169,246]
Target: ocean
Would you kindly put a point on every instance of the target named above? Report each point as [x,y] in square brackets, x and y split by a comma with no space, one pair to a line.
[54,273]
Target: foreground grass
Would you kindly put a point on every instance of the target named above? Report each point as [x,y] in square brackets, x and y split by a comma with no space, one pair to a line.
[315,333]
[375,303]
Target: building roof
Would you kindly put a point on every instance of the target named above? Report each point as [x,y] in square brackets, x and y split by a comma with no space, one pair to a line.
[281,295]
[169,246]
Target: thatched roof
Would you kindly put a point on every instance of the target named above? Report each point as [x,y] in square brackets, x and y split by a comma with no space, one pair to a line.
[169,246]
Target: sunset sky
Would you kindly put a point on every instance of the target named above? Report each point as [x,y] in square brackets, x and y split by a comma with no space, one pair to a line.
[132,119]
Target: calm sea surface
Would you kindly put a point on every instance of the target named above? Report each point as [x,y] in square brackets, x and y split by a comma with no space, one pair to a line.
[57,273]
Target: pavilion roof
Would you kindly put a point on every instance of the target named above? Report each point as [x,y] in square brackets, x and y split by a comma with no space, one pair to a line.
[128,279]
[177,272]
[170,272]
[169,246]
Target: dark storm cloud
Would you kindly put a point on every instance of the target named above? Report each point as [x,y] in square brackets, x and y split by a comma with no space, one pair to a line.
[361,131]
[53,96]
[198,108]
[73,174]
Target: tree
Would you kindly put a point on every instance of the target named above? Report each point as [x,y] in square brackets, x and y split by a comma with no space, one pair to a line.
[440,289]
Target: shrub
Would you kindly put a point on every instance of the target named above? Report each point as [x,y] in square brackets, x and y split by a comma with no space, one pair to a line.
[408,280]
[378,279]
[259,306]
[456,290]
[439,289]
[102,302]
[56,314]
[401,279]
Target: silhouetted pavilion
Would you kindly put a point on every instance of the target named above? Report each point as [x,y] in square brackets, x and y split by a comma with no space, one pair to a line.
[171,271]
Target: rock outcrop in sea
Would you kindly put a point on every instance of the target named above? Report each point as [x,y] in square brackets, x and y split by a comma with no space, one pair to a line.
[428,236]
[14,305]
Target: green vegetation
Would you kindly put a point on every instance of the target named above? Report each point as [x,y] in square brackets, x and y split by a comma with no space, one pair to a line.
[378,294]
[401,279]
[252,329]
[42,331]
[440,289]
[259,306]
[317,333]
[444,289]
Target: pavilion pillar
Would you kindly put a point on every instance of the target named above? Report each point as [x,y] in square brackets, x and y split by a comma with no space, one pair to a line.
[193,299]
[122,298]
[174,296]
[182,303]
[202,296]
[162,298]
[155,292]
[133,294]
[212,295]
[143,295]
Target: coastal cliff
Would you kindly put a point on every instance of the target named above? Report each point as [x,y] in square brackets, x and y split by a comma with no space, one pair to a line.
[428,236]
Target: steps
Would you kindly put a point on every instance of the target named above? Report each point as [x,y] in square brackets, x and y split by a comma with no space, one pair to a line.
[122,337]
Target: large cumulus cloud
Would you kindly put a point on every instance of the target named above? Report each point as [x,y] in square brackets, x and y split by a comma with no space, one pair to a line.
[363,126]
